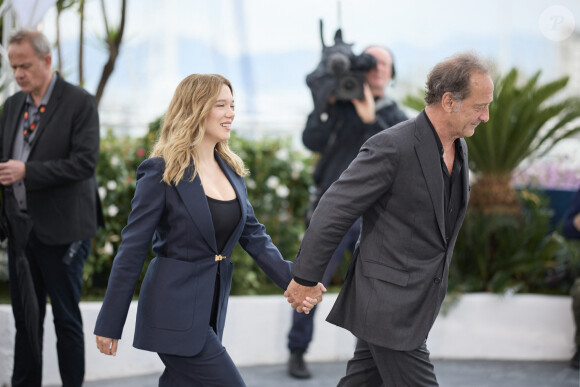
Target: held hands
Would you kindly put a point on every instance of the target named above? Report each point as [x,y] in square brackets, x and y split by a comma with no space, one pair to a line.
[107,346]
[304,298]
[365,108]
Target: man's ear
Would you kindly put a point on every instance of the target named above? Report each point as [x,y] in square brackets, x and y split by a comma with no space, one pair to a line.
[448,103]
[48,60]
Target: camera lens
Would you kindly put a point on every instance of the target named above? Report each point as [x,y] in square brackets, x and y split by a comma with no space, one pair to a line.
[348,84]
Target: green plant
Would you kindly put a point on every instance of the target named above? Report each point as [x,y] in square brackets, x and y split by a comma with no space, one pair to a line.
[499,252]
[118,161]
[525,122]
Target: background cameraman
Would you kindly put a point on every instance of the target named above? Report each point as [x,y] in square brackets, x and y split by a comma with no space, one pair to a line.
[337,134]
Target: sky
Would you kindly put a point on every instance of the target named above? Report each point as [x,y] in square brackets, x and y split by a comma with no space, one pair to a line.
[267,47]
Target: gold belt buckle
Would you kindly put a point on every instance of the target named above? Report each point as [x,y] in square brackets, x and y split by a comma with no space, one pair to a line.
[219,257]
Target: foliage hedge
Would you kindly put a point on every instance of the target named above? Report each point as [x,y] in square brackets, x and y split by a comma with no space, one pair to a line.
[516,254]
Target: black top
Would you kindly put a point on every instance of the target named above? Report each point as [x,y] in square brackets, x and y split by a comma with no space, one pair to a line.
[452,183]
[225,215]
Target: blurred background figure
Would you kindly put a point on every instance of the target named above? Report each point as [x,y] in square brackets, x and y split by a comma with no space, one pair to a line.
[350,107]
[49,133]
[571,230]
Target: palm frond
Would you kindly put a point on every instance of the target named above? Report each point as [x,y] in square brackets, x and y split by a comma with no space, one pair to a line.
[523,121]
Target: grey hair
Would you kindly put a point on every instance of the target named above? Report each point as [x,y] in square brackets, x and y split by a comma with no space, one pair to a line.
[37,40]
[453,75]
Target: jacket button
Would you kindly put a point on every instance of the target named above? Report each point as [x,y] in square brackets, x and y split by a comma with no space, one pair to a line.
[437,280]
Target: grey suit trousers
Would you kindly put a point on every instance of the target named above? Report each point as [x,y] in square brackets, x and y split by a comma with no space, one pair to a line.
[374,366]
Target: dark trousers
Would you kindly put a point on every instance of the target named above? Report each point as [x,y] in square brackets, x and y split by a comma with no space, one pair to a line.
[374,366]
[300,334]
[211,367]
[63,284]
[575,294]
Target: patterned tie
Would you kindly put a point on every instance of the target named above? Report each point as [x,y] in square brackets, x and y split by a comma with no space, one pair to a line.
[31,124]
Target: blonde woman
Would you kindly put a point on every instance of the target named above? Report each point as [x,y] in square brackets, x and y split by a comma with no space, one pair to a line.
[191,202]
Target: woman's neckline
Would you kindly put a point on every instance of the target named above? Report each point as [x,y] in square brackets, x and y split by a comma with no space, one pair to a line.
[220,200]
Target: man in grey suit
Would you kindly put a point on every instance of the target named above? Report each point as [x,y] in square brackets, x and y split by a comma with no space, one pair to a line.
[410,184]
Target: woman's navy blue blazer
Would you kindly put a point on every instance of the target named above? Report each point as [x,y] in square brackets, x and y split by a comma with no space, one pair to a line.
[177,292]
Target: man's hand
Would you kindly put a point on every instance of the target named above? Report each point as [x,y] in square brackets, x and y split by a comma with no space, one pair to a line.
[107,346]
[304,298]
[12,171]
[576,221]
[365,108]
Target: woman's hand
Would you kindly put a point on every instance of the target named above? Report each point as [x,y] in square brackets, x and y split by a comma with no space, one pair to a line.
[107,346]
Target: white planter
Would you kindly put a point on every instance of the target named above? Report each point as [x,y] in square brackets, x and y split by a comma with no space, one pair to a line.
[513,327]
[480,325]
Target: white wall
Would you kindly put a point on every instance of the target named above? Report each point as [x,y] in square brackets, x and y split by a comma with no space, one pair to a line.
[482,326]
[520,327]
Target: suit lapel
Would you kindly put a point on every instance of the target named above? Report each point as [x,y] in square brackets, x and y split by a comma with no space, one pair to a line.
[12,124]
[51,107]
[426,149]
[193,197]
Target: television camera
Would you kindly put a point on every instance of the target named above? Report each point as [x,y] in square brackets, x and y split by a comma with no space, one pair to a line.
[340,72]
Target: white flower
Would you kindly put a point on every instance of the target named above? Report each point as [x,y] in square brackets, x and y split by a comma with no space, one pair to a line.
[111,185]
[273,182]
[267,199]
[282,154]
[250,183]
[283,191]
[297,166]
[112,210]
[108,248]
[114,161]
[102,192]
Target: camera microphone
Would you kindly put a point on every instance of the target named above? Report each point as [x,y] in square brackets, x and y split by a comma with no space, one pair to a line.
[337,64]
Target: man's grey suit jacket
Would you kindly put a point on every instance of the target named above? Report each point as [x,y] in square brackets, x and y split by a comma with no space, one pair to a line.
[398,275]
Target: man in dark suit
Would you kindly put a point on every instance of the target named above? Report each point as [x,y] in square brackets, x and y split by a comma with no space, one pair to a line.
[49,136]
[410,184]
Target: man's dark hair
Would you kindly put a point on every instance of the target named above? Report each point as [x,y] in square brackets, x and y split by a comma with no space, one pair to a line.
[453,75]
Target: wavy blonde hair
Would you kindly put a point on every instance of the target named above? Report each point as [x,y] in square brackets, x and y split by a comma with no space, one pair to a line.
[183,127]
